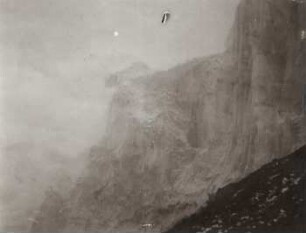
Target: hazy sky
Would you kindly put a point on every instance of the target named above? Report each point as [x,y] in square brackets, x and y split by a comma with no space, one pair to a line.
[54,57]
[55,54]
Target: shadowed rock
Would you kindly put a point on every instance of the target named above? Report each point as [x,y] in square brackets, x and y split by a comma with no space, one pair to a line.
[271,199]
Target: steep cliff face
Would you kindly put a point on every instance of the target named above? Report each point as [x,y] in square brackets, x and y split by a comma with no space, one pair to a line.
[272,199]
[265,44]
[177,136]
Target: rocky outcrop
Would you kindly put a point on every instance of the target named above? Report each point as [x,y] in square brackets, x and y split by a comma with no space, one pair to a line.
[272,199]
[51,217]
[134,71]
[177,136]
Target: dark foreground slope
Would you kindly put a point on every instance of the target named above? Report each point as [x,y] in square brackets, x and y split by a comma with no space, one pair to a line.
[272,199]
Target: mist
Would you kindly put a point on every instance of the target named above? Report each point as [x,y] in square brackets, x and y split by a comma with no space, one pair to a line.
[54,59]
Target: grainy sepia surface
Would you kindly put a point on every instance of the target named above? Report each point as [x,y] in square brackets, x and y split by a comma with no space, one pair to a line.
[141,116]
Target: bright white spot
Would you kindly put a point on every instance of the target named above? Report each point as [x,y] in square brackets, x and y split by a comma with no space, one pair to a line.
[285,190]
[147,225]
[303,34]
[116,33]
[272,199]
[296,181]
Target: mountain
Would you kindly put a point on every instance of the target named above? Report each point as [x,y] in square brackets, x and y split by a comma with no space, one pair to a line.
[177,136]
[135,70]
[22,189]
[272,199]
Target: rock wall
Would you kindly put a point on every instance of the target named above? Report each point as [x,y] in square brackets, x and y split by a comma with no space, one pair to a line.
[177,136]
